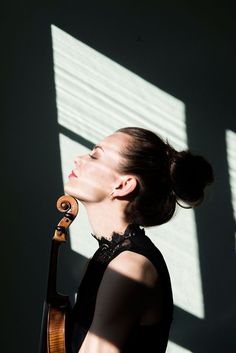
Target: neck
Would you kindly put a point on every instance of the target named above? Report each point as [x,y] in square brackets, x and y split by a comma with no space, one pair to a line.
[107,217]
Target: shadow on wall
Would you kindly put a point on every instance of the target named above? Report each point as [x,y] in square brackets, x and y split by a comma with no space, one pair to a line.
[186,55]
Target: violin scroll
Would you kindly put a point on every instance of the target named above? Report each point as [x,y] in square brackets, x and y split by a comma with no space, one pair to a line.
[68,205]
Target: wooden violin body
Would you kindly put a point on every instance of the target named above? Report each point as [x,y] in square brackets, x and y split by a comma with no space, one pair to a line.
[56,330]
[56,308]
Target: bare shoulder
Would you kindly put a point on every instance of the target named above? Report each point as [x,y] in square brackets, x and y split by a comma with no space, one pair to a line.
[136,267]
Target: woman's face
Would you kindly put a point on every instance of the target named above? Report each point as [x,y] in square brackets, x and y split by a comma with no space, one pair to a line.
[96,174]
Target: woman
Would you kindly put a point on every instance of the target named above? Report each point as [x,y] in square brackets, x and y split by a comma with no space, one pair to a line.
[131,180]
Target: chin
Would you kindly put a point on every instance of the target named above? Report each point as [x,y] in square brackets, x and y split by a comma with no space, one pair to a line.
[69,190]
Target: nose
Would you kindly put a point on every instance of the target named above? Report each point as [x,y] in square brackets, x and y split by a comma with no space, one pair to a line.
[76,160]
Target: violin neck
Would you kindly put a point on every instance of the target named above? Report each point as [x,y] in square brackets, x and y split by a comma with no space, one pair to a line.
[53,297]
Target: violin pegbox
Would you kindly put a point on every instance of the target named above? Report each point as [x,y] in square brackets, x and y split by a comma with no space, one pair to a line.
[69,206]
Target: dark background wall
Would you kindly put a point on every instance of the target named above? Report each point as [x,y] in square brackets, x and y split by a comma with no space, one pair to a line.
[185,48]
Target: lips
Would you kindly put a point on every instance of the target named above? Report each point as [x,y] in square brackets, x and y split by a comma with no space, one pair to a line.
[72,174]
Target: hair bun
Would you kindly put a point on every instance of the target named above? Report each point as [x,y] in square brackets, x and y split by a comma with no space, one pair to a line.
[190,174]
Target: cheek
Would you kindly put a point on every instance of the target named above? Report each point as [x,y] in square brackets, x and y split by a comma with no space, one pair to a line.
[99,175]
[87,188]
[106,171]
[94,182]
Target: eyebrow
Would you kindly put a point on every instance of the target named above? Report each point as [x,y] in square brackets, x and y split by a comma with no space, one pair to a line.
[98,146]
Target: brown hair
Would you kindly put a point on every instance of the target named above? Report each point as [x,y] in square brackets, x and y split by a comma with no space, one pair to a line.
[165,177]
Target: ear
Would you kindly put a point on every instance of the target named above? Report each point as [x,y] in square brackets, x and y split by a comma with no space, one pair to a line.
[127,184]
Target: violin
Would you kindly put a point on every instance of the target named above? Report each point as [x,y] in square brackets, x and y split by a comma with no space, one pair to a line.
[55,324]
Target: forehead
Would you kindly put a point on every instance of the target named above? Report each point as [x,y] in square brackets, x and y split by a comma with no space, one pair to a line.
[115,143]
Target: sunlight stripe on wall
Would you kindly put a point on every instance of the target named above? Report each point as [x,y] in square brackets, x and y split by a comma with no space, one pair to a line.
[96,96]
[231,158]
[174,348]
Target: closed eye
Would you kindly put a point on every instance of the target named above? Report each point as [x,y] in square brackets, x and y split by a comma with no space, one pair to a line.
[91,156]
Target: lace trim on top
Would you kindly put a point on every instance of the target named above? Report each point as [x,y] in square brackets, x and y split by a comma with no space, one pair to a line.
[117,238]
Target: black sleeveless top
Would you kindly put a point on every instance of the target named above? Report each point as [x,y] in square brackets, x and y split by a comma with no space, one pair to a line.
[143,338]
